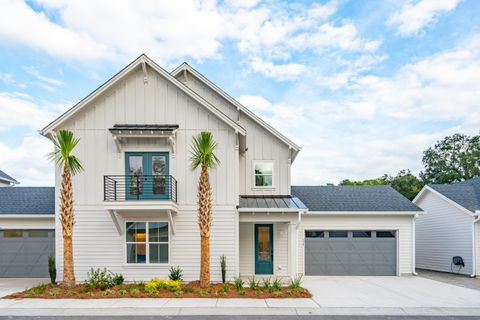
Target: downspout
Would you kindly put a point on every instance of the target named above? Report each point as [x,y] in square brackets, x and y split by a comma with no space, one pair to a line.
[413,245]
[476,218]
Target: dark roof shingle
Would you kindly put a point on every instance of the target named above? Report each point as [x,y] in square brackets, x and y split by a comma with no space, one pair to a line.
[27,200]
[353,198]
[465,193]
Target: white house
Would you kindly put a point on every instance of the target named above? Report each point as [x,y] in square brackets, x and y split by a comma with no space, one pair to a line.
[136,201]
[449,227]
[6,180]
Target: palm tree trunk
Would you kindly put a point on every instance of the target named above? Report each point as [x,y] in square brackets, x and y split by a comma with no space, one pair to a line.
[67,221]
[204,222]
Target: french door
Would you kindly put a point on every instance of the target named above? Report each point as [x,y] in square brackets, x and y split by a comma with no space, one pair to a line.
[147,175]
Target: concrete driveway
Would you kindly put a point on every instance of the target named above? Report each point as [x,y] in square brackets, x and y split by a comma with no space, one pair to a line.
[389,292]
[12,285]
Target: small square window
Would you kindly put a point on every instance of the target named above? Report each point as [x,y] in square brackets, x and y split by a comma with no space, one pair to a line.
[362,234]
[314,234]
[385,234]
[338,234]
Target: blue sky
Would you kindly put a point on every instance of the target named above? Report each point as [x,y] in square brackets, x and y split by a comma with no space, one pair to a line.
[363,86]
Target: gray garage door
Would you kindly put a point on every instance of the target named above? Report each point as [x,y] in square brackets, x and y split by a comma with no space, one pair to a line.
[24,253]
[345,253]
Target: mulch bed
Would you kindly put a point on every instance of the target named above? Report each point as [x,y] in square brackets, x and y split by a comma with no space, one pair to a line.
[189,290]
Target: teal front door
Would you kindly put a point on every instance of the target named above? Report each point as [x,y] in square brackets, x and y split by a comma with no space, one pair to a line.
[264,249]
[147,175]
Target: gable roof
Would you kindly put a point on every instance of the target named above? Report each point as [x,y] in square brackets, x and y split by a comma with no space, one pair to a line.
[27,200]
[7,178]
[238,105]
[465,193]
[353,199]
[142,60]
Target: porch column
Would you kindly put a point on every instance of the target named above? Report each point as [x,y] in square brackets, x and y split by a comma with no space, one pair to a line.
[293,249]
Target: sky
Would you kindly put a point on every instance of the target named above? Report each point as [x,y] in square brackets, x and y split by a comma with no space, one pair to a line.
[364,87]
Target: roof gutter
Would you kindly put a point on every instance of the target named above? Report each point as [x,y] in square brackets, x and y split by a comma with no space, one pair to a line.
[364,213]
[474,241]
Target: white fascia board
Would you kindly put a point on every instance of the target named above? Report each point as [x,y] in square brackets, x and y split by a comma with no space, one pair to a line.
[435,192]
[365,213]
[113,80]
[9,180]
[226,96]
[27,216]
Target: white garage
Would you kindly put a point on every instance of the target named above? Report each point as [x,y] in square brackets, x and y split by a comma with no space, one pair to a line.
[356,231]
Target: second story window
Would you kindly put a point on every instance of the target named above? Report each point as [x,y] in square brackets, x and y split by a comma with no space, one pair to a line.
[263,174]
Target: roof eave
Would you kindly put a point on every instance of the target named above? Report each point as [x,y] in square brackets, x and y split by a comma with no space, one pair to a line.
[376,213]
[129,68]
[211,85]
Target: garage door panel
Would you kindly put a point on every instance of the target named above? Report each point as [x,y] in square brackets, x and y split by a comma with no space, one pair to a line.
[361,256]
[26,256]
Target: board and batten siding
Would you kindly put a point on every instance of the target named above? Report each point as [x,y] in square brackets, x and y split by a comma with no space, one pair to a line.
[402,224]
[444,231]
[131,101]
[261,144]
[280,248]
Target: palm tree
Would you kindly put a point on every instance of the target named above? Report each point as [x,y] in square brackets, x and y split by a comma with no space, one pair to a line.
[203,147]
[64,143]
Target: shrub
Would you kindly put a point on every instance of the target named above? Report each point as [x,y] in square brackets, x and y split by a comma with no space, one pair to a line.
[123,291]
[238,284]
[277,284]
[267,283]
[253,284]
[52,270]
[223,266]
[295,283]
[175,273]
[99,279]
[225,288]
[118,279]
[134,290]
[38,289]
[153,285]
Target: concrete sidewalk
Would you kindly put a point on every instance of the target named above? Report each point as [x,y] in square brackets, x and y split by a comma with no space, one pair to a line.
[170,307]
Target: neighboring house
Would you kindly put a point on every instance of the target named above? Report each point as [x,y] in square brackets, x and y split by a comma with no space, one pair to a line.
[6,180]
[449,227]
[27,233]
[136,200]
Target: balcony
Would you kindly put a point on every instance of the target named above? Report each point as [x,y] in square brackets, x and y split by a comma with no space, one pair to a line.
[139,188]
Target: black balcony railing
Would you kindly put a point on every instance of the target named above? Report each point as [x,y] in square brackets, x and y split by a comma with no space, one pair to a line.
[139,187]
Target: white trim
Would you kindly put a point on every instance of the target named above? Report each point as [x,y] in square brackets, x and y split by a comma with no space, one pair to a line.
[474,246]
[12,181]
[254,163]
[132,205]
[27,216]
[456,205]
[413,245]
[147,244]
[132,66]
[184,66]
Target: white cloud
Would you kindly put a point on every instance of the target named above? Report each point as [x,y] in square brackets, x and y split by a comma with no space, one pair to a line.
[36,73]
[440,87]
[18,109]
[27,163]
[415,15]
[288,71]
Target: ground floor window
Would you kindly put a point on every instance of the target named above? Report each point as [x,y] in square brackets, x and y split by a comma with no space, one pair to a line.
[147,242]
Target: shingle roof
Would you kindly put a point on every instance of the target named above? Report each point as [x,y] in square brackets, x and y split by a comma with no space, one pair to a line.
[27,200]
[465,193]
[6,177]
[271,202]
[353,198]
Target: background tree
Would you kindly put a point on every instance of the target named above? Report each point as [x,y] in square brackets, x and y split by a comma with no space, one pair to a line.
[64,143]
[202,150]
[455,158]
[407,184]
